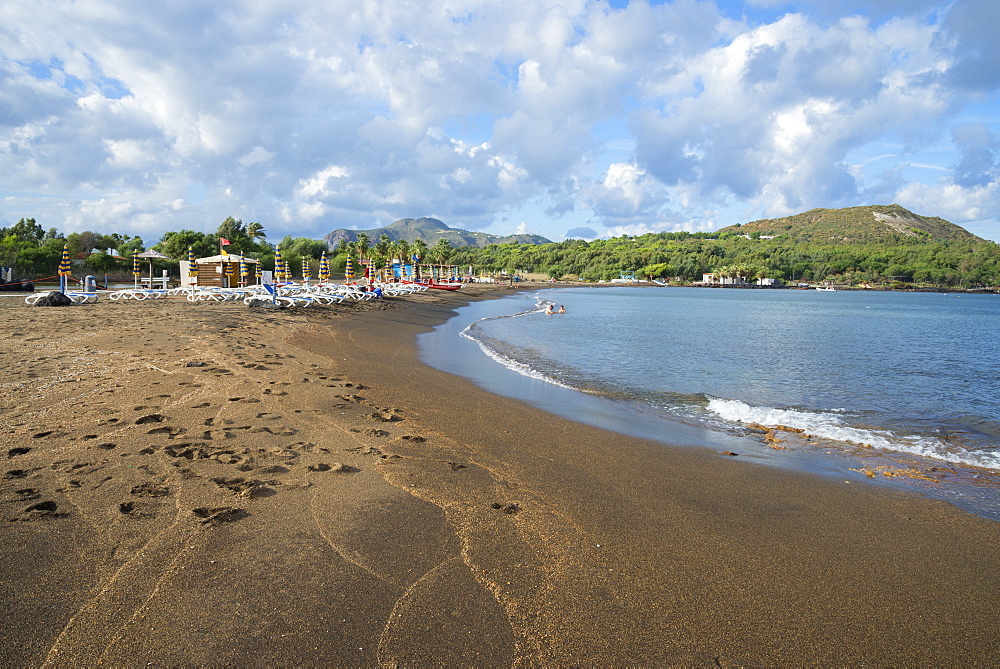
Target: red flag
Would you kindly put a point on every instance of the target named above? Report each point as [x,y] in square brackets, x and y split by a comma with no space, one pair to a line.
[224,242]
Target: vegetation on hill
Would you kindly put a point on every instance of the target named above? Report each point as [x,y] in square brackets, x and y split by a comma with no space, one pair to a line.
[855,225]
[879,246]
[681,256]
[429,231]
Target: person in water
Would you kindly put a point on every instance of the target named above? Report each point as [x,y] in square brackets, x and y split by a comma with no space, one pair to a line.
[562,309]
[548,309]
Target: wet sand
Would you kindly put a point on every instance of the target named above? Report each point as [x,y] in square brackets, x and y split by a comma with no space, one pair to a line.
[210,484]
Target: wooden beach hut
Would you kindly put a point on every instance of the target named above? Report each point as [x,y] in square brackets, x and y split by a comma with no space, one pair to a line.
[221,271]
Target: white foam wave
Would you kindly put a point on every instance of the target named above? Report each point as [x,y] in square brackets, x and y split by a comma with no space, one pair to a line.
[510,363]
[831,426]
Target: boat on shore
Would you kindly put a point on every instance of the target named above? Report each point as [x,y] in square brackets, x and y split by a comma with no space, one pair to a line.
[439,286]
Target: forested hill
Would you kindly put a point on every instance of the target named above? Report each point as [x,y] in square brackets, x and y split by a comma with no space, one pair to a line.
[875,245]
[430,230]
[855,225]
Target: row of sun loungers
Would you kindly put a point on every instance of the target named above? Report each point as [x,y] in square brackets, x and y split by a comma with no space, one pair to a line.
[300,295]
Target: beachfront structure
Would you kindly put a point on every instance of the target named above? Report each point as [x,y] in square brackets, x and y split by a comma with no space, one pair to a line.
[221,271]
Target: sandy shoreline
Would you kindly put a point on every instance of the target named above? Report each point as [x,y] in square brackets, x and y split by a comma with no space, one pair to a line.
[204,483]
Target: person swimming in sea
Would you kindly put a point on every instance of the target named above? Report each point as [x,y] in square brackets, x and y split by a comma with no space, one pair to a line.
[548,309]
[562,309]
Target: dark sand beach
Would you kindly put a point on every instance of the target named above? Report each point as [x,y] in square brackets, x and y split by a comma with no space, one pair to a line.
[212,484]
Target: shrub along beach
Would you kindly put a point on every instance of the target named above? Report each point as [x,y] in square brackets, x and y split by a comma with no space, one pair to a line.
[207,483]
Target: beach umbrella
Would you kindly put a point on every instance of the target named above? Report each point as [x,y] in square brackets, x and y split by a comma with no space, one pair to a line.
[388,270]
[349,270]
[243,270]
[324,268]
[150,254]
[277,264]
[256,271]
[135,269]
[192,267]
[230,272]
[64,268]
[306,270]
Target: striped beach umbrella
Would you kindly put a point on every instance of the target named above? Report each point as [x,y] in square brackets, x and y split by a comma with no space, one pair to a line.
[230,272]
[136,271]
[324,268]
[64,269]
[244,273]
[388,270]
[64,266]
[192,267]
[278,268]
[256,271]
[349,269]
[306,270]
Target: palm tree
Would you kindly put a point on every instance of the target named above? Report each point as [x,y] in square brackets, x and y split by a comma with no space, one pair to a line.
[442,251]
[418,248]
[255,231]
[361,245]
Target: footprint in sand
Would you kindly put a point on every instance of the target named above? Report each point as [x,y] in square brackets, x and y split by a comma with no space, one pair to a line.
[246,487]
[386,415]
[150,418]
[18,451]
[369,432]
[218,516]
[150,489]
[39,511]
[336,468]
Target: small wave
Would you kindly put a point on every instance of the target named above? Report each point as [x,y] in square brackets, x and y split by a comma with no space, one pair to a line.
[831,426]
[509,363]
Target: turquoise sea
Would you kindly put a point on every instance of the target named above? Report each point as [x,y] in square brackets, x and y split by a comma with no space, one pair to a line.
[886,388]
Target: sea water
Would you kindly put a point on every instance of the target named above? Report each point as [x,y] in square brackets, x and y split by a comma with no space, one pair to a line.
[880,384]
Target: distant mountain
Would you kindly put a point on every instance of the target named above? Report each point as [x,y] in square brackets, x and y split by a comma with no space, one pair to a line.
[430,230]
[856,225]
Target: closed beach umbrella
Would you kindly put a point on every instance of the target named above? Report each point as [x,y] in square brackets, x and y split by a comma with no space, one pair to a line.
[192,267]
[324,268]
[256,271]
[230,272]
[388,270]
[277,264]
[306,270]
[243,270]
[135,269]
[64,266]
[349,269]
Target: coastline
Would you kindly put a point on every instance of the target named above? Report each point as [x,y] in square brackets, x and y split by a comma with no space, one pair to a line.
[313,494]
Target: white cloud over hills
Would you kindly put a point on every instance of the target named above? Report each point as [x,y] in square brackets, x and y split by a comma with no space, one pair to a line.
[548,117]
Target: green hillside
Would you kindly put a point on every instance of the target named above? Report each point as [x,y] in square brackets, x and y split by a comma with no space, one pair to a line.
[856,225]
[430,230]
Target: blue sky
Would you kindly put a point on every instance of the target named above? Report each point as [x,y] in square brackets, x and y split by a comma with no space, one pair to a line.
[577,118]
